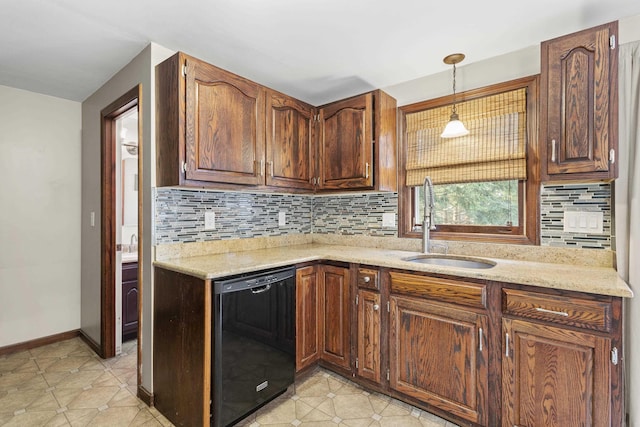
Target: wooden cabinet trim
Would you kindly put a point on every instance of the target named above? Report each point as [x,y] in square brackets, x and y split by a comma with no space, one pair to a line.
[446,290]
[572,311]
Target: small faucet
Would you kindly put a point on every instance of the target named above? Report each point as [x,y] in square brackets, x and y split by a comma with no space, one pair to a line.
[133,243]
[428,223]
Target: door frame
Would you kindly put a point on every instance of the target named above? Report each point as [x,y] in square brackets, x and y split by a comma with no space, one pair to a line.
[108,193]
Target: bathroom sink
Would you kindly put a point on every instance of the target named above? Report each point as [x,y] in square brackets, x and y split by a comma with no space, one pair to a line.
[451,261]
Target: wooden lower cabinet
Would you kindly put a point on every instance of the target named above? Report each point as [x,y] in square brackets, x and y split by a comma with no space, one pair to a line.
[368,348]
[130,297]
[438,355]
[554,376]
[335,322]
[307,317]
[323,316]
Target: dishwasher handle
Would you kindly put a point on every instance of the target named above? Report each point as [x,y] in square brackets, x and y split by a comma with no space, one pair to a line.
[260,290]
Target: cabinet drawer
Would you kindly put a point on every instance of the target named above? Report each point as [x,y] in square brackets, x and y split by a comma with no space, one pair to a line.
[581,313]
[129,271]
[445,290]
[368,278]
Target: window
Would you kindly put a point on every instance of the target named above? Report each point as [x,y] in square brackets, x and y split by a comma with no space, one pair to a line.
[486,184]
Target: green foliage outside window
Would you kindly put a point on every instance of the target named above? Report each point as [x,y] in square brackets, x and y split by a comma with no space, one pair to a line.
[492,203]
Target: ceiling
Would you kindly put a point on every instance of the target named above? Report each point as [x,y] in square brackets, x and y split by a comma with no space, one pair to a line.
[317,51]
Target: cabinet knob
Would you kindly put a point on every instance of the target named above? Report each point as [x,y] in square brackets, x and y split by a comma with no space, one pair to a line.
[366,279]
[376,307]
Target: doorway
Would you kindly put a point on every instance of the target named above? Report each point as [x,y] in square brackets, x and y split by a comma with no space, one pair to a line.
[121,213]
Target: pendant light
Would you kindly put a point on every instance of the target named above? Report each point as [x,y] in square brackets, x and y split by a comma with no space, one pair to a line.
[455,127]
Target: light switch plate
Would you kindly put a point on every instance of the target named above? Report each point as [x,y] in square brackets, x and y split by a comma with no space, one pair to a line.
[209,220]
[282,219]
[388,219]
[583,222]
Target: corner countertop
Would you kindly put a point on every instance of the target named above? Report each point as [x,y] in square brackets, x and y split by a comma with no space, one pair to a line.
[594,280]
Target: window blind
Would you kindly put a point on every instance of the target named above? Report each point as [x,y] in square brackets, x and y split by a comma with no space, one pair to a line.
[494,150]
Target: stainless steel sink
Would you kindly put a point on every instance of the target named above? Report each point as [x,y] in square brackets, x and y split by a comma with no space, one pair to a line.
[451,261]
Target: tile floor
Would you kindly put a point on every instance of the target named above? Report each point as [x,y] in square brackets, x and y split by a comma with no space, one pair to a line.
[325,399]
[66,384]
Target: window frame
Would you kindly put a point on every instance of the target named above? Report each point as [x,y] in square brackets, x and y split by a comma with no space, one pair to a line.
[528,229]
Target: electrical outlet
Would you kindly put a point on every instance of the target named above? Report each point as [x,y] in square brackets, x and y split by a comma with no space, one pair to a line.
[388,219]
[282,219]
[209,220]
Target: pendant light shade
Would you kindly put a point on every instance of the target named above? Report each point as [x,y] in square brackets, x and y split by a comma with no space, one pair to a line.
[455,127]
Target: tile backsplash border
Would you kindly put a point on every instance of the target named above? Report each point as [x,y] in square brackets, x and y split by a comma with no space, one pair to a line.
[179,214]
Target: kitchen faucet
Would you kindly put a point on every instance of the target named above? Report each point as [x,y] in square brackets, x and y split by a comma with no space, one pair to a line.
[428,223]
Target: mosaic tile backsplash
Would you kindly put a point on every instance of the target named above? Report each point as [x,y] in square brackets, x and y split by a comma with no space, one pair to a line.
[180,214]
[556,199]
[359,214]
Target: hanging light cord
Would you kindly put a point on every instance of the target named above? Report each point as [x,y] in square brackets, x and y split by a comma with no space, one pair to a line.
[454,110]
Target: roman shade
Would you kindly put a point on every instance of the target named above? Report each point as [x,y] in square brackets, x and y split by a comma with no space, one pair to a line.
[494,150]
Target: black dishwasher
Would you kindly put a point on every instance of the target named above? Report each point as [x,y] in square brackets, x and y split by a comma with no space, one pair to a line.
[254,343]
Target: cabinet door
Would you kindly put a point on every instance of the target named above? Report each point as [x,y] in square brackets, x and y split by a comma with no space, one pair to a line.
[554,377]
[129,309]
[224,126]
[336,327]
[290,149]
[346,143]
[438,355]
[307,317]
[578,104]
[369,318]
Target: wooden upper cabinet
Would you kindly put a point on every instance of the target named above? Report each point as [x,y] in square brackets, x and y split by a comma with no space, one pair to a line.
[290,149]
[224,126]
[554,377]
[217,129]
[579,96]
[357,143]
[210,125]
[346,143]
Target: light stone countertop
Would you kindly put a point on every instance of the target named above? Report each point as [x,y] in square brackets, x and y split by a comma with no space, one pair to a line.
[589,279]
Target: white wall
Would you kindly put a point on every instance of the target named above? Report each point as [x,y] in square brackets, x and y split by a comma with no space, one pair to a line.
[141,70]
[39,215]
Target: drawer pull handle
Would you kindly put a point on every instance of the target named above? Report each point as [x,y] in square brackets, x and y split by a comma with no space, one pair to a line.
[480,338]
[559,313]
[553,150]
[366,279]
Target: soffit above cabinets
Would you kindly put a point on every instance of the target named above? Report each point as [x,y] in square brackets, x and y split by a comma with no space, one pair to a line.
[316,51]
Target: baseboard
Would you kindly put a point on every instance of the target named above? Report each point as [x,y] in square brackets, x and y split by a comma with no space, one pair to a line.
[38,342]
[145,395]
[90,342]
